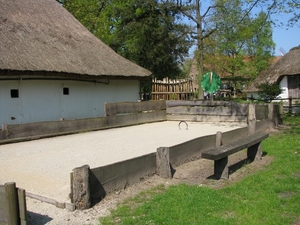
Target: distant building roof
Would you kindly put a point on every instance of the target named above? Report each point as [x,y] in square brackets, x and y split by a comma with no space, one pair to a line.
[287,65]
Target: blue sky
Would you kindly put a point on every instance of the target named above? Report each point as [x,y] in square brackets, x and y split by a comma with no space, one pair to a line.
[286,37]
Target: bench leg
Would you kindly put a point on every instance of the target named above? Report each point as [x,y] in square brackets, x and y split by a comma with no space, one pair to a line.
[254,152]
[221,168]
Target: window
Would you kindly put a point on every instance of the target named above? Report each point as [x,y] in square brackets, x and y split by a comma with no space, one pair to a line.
[66,91]
[14,93]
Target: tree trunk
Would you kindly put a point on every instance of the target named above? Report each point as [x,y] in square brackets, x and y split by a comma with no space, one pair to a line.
[199,46]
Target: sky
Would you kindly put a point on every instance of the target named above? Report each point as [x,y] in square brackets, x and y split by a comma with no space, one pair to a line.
[285,38]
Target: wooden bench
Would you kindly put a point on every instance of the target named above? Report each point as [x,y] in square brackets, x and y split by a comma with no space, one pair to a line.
[220,154]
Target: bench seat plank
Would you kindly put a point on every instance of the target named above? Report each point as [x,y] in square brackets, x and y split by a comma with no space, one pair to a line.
[233,147]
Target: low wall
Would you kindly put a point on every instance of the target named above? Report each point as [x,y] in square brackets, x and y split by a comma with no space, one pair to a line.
[132,113]
[190,150]
[110,178]
[118,176]
[117,115]
[206,111]
[114,177]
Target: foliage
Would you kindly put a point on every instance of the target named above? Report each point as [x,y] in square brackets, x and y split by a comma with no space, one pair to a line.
[268,197]
[288,7]
[95,15]
[148,33]
[243,45]
[269,91]
[230,38]
[153,34]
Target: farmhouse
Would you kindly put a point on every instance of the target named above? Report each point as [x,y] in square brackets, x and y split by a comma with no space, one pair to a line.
[52,68]
[286,72]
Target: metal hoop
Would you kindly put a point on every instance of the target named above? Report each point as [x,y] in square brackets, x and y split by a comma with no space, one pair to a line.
[186,125]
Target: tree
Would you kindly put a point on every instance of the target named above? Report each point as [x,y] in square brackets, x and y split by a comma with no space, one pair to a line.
[201,12]
[243,45]
[205,27]
[192,10]
[294,5]
[95,15]
[291,7]
[148,33]
[269,91]
[145,32]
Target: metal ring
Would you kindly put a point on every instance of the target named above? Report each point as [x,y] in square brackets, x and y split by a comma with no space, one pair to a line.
[187,127]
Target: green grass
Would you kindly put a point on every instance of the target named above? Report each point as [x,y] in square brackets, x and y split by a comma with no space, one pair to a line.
[269,196]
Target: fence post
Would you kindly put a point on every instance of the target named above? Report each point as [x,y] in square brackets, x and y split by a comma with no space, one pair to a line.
[81,187]
[4,128]
[290,105]
[22,206]
[271,120]
[12,206]
[218,139]
[251,119]
[163,162]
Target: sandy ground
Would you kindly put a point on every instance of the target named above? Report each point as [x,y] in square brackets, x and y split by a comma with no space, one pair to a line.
[43,166]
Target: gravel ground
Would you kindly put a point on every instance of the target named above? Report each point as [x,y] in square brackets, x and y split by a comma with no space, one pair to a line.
[43,166]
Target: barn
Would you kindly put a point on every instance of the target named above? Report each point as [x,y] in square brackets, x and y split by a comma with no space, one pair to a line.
[286,72]
[52,68]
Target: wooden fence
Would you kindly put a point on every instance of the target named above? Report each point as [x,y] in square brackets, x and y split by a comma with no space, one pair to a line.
[168,89]
[13,209]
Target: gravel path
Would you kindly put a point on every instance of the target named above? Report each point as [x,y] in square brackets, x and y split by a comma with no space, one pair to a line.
[43,166]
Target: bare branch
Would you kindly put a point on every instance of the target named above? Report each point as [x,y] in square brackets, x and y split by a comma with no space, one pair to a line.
[211,7]
[209,33]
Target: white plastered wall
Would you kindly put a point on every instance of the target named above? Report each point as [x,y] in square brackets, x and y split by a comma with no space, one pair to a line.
[284,95]
[43,100]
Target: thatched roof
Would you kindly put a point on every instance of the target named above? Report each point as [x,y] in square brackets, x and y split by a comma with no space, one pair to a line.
[41,36]
[287,65]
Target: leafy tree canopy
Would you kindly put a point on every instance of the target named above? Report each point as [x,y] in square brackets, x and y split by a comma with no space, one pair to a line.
[145,32]
[242,46]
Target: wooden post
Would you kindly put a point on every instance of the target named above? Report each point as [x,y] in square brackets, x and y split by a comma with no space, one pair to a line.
[22,206]
[279,113]
[81,188]
[221,170]
[4,128]
[218,139]
[271,121]
[251,119]
[71,188]
[211,98]
[163,162]
[254,152]
[12,206]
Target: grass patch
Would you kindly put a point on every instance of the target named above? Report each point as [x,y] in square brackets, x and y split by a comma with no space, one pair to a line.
[269,196]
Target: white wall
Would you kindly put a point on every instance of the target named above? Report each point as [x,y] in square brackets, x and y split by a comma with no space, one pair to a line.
[283,95]
[43,100]
[284,87]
